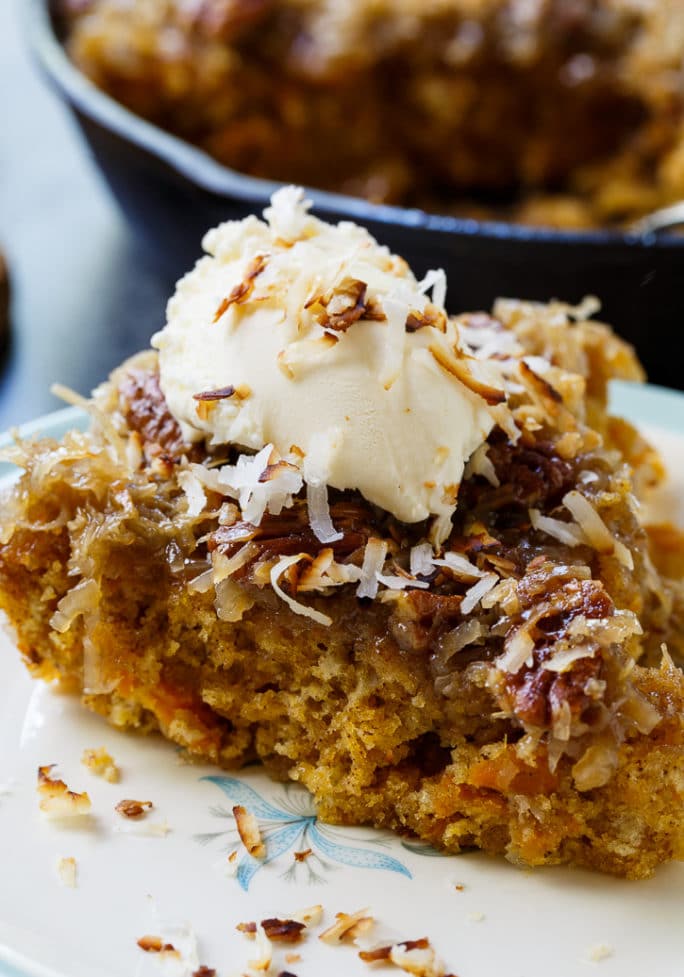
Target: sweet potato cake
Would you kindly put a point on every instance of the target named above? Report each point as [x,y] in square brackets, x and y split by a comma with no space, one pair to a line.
[478,659]
[560,112]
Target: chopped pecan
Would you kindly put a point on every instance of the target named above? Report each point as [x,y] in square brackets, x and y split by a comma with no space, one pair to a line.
[133,809]
[283,930]
[146,411]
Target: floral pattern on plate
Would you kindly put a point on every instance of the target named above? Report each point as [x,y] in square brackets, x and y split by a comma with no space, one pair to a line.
[291,825]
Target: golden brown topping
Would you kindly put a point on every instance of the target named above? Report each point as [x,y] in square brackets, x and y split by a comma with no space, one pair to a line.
[101,764]
[348,928]
[204,972]
[430,316]
[243,290]
[146,411]
[301,856]
[221,394]
[248,928]
[57,801]
[155,944]
[248,829]
[459,369]
[283,930]
[133,809]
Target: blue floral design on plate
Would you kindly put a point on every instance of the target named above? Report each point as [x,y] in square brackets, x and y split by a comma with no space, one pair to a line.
[292,824]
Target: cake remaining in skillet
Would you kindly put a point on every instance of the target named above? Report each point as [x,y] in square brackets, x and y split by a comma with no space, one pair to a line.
[561,112]
[395,556]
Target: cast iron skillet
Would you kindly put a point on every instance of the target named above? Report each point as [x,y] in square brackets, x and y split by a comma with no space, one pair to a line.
[172,192]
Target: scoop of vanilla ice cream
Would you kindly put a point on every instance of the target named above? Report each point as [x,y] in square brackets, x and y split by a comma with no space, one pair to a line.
[295,332]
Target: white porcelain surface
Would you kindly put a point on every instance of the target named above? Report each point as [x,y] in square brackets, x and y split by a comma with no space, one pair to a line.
[546,923]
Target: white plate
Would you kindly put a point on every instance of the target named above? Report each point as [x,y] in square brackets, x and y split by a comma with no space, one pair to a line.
[545,923]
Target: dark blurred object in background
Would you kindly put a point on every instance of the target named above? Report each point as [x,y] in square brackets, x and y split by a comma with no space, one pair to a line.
[4,306]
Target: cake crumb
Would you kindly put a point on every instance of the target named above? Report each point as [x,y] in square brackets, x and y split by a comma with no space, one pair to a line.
[293,957]
[600,951]
[476,917]
[101,763]
[66,870]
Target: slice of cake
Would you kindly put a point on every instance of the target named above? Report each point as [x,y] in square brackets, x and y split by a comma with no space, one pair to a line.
[397,556]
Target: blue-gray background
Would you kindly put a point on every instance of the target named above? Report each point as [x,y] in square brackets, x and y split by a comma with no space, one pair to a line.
[84,294]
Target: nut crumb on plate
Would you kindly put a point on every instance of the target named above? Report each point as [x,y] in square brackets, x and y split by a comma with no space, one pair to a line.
[601,951]
[101,763]
[133,809]
[66,870]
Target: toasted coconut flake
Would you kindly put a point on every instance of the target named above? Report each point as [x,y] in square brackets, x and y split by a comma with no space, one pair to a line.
[401,581]
[133,809]
[56,800]
[518,650]
[248,829]
[225,567]
[376,955]
[459,368]
[595,529]
[100,763]
[480,464]
[563,660]
[417,957]
[460,566]
[319,513]
[223,393]
[231,864]
[283,930]
[461,636]
[348,927]
[264,948]
[474,594]
[622,624]
[81,599]
[66,871]
[311,916]
[194,492]
[373,562]
[596,766]
[565,532]
[421,560]
[232,601]
[436,280]
[277,570]
[202,583]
